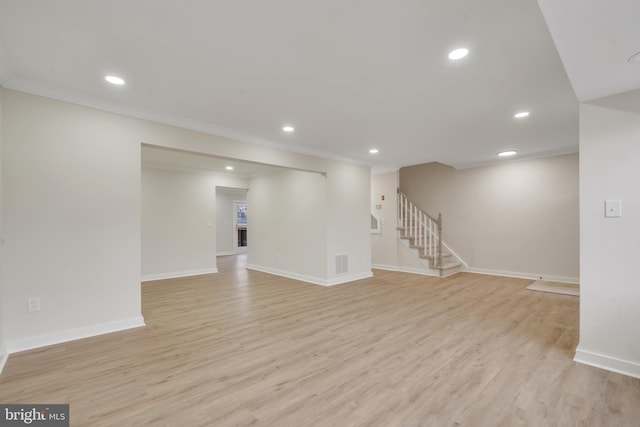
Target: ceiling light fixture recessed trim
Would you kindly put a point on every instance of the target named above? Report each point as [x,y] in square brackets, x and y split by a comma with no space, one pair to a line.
[115,80]
[521,114]
[460,53]
[288,128]
[374,151]
[507,153]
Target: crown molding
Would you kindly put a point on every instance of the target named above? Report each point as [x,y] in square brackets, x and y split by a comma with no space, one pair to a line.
[50,91]
[530,156]
[379,170]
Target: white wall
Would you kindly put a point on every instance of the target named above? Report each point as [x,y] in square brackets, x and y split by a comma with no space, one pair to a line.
[291,209]
[609,288]
[71,204]
[348,220]
[384,245]
[517,219]
[72,216]
[179,222]
[225,231]
[3,350]
[288,224]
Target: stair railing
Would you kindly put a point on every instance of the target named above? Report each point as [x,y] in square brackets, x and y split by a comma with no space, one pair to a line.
[424,230]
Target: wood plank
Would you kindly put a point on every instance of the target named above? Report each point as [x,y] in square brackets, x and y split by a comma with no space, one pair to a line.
[247,348]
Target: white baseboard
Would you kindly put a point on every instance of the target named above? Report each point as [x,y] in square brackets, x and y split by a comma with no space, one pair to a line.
[613,364]
[384,267]
[518,275]
[177,274]
[425,272]
[310,279]
[338,280]
[38,341]
[287,274]
[225,253]
[4,355]
[465,266]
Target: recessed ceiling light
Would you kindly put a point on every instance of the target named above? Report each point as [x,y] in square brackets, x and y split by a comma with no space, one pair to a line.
[634,59]
[507,153]
[229,168]
[373,151]
[521,114]
[458,54]
[288,128]
[114,80]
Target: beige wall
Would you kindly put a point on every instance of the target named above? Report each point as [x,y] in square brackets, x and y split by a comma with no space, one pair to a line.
[609,247]
[518,218]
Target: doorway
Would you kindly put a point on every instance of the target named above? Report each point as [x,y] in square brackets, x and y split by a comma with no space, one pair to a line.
[240,226]
[231,221]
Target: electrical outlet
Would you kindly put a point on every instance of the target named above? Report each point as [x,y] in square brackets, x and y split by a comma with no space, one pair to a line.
[33,304]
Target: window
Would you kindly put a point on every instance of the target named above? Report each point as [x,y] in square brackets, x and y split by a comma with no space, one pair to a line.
[241,214]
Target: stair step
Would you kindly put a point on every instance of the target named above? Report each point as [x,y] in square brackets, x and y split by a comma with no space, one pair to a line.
[448,268]
[446,265]
[444,255]
[414,226]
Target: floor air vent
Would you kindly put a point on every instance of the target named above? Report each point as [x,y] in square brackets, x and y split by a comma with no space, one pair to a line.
[342,263]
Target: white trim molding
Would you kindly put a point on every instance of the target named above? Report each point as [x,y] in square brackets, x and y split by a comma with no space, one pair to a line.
[177,274]
[538,155]
[51,91]
[287,274]
[518,275]
[338,280]
[609,363]
[4,355]
[411,270]
[225,253]
[311,279]
[38,341]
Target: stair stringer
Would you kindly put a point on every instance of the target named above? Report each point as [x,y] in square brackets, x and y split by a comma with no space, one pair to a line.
[455,257]
[428,270]
[409,260]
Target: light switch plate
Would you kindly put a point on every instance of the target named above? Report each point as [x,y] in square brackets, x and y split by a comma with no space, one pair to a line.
[613,208]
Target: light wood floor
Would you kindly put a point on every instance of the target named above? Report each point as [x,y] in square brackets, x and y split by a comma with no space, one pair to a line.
[247,348]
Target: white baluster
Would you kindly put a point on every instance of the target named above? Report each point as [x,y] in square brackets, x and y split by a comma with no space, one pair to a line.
[401,214]
[415,225]
[426,235]
[410,218]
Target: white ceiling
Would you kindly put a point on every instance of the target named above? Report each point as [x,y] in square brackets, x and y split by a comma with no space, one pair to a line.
[348,75]
[595,39]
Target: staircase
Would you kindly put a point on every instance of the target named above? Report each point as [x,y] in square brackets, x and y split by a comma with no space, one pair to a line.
[422,234]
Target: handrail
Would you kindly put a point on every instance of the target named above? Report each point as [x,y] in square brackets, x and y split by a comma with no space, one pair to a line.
[422,228]
[407,197]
